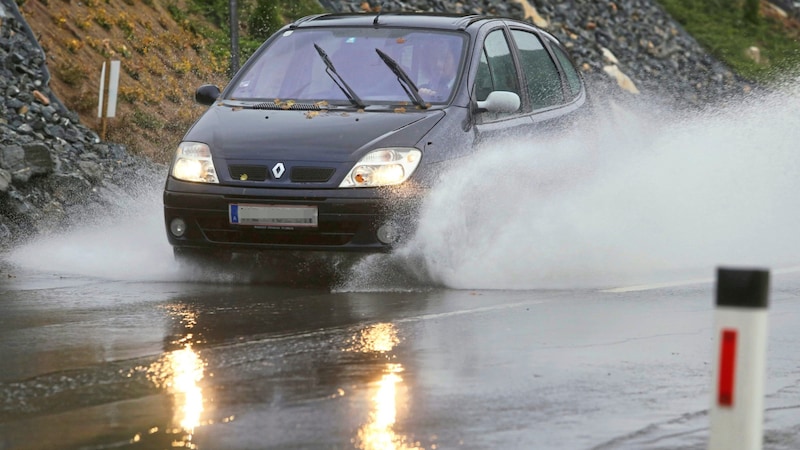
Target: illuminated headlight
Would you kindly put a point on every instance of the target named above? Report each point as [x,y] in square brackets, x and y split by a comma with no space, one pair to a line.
[193,163]
[383,167]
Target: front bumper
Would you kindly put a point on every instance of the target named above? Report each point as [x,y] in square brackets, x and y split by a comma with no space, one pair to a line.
[348,219]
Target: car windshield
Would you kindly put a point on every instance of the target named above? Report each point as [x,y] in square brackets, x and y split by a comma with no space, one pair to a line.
[293,66]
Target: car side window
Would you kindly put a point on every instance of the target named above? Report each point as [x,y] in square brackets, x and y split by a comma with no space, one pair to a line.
[496,71]
[573,78]
[542,79]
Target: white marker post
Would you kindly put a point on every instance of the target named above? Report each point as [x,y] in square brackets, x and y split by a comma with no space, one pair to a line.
[109,108]
[740,332]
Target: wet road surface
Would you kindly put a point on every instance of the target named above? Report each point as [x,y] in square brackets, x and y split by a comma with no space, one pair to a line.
[95,364]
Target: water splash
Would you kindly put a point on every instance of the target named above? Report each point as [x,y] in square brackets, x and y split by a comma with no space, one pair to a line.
[651,195]
[126,242]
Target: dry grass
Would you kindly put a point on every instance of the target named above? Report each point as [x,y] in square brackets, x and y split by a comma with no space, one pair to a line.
[163,62]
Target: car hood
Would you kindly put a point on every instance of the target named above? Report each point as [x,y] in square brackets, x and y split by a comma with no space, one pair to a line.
[242,133]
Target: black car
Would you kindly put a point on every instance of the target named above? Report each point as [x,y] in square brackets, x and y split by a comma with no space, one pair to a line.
[330,134]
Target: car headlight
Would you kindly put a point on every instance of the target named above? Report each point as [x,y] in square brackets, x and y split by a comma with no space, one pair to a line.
[193,163]
[383,167]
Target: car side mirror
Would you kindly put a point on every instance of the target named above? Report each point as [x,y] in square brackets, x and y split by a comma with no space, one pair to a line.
[206,94]
[499,102]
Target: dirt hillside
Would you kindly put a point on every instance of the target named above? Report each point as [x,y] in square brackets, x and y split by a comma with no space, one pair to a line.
[162,60]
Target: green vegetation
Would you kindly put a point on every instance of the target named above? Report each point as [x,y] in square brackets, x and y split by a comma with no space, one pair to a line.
[728,28]
[258,19]
[72,74]
[147,121]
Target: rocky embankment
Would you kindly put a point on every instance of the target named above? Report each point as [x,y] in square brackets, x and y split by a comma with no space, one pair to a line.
[54,171]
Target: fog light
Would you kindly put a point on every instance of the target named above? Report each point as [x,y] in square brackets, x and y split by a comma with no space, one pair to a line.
[388,234]
[177,227]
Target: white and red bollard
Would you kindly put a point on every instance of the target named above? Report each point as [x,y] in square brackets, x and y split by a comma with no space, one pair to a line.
[740,332]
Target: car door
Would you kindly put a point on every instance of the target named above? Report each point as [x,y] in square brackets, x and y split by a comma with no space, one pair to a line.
[497,70]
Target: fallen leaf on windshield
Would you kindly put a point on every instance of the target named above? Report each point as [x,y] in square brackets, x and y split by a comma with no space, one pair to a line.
[312,114]
[400,110]
[321,103]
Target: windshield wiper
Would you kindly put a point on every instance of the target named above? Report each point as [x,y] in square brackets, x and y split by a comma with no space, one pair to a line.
[331,71]
[405,80]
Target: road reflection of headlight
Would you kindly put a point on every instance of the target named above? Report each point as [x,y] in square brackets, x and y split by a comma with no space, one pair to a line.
[187,369]
[180,373]
[384,394]
[378,433]
[380,337]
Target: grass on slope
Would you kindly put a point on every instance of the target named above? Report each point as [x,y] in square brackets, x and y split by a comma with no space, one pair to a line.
[720,26]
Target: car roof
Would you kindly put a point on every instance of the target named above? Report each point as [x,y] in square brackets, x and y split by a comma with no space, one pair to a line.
[441,21]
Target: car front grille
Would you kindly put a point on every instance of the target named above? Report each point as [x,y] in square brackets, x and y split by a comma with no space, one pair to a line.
[243,172]
[311,174]
[248,173]
[328,234]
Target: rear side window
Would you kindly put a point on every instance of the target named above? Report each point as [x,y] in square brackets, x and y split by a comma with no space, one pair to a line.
[542,79]
[573,79]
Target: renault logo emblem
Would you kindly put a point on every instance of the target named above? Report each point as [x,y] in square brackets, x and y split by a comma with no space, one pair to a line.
[278,170]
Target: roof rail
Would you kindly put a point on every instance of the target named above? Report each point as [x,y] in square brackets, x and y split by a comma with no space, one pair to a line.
[469,20]
[305,19]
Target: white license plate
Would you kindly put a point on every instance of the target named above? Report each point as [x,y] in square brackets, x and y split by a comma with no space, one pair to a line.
[273,215]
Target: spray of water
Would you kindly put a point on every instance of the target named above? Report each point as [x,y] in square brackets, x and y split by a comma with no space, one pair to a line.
[653,194]
[125,241]
[649,194]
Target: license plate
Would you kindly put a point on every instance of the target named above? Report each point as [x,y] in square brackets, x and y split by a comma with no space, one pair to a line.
[273,215]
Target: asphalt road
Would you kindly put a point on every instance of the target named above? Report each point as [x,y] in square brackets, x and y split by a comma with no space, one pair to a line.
[89,363]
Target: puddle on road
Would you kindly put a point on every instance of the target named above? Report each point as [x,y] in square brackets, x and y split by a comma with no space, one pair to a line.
[651,194]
